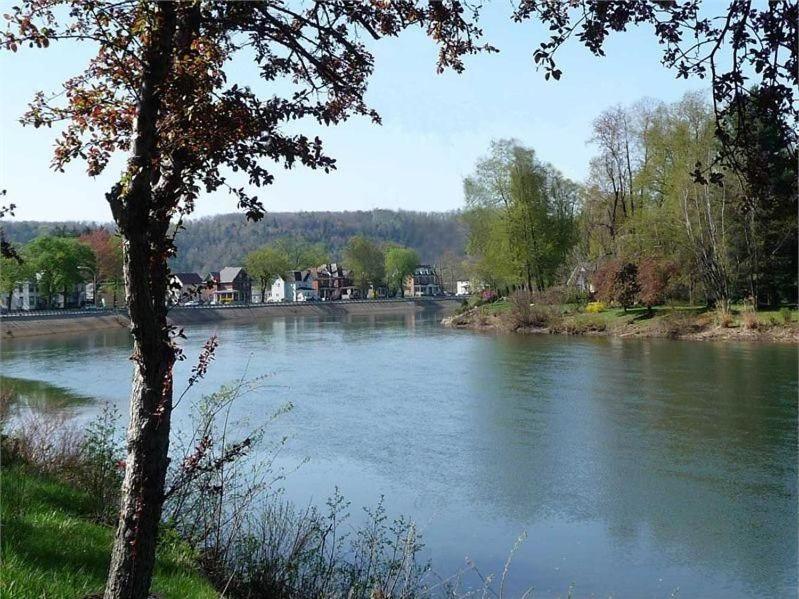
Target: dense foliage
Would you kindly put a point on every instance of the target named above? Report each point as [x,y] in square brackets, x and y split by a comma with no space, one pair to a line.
[645,204]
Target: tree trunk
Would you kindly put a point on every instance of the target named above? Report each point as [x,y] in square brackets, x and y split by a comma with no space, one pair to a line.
[133,556]
[140,209]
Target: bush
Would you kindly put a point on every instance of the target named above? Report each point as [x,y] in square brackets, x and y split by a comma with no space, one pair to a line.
[559,295]
[750,321]
[595,307]
[101,464]
[787,316]
[724,319]
[521,309]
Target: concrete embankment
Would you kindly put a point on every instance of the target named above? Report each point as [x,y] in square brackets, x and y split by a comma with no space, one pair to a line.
[30,325]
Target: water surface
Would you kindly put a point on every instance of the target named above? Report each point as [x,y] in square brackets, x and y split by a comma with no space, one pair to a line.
[638,468]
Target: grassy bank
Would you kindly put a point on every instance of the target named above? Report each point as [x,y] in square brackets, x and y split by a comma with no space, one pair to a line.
[51,547]
[662,321]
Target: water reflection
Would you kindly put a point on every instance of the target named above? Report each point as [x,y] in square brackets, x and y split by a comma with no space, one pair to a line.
[638,466]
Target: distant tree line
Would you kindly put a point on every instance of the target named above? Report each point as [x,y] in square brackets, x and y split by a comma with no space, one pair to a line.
[208,243]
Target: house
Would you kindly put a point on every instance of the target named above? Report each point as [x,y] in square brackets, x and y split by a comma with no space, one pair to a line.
[231,285]
[463,288]
[295,286]
[24,297]
[580,279]
[280,291]
[303,286]
[185,287]
[332,282]
[423,282]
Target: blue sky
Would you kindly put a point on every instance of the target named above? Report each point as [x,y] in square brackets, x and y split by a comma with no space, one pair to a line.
[434,126]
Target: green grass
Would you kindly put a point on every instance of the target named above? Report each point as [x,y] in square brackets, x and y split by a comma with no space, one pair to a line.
[50,548]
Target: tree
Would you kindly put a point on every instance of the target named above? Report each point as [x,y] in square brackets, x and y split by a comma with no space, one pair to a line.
[400,263]
[366,261]
[13,271]
[768,203]
[264,264]
[107,249]
[159,88]
[300,254]
[523,208]
[617,281]
[742,42]
[654,276]
[58,263]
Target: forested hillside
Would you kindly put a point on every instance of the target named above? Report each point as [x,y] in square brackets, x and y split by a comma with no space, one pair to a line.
[212,242]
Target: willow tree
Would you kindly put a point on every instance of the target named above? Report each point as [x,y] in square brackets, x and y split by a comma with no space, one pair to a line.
[159,89]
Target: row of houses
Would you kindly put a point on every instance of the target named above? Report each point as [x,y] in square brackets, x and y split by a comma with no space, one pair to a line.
[327,282]
[232,284]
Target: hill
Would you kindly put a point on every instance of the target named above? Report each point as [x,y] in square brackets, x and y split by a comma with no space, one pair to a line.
[207,243]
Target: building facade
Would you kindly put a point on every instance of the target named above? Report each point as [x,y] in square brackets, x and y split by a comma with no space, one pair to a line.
[423,282]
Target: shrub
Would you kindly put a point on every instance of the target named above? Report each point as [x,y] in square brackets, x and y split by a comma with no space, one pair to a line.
[750,321]
[787,316]
[595,307]
[521,308]
[559,295]
[724,318]
[101,466]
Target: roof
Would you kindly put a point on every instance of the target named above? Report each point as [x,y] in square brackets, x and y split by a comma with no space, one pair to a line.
[188,278]
[229,273]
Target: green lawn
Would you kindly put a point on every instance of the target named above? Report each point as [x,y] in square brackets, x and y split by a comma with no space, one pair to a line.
[50,549]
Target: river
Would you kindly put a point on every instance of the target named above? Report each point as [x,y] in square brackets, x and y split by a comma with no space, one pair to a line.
[637,468]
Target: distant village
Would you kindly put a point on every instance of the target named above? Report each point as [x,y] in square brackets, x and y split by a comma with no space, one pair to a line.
[327,282]
[233,285]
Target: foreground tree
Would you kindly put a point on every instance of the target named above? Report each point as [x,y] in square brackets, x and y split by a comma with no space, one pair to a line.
[735,45]
[157,88]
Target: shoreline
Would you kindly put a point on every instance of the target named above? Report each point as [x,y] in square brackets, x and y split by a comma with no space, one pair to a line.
[669,325]
[33,325]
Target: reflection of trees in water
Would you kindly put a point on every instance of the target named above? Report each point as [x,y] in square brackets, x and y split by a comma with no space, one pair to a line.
[690,445]
[38,395]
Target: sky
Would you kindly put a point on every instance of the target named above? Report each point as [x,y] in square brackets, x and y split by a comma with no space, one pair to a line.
[434,127]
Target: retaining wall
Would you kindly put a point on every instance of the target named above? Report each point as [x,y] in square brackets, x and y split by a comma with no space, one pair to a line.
[56,322]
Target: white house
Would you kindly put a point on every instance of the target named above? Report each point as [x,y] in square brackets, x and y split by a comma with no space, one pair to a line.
[24,297]
[463,288]
[296,287]
[281,290]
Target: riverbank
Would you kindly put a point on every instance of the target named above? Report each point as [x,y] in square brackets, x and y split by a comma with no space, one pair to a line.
[54,323]
[53,548]
[673,323]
